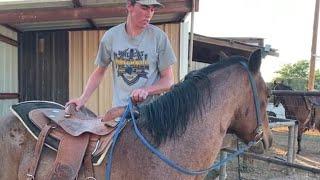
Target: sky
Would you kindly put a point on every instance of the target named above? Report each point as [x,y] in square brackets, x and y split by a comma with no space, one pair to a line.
[286,25]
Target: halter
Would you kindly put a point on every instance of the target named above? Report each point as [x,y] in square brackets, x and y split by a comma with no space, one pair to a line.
[259,129]
[129,109]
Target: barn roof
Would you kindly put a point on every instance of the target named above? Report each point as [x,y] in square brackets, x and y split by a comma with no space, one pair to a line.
[34,15]
[211,49]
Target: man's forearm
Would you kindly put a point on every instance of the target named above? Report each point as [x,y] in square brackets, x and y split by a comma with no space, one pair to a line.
[93,82]
[160,86]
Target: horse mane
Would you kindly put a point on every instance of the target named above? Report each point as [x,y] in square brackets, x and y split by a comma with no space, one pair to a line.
[168,116]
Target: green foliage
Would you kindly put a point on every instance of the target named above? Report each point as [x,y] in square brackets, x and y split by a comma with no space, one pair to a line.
[296,75]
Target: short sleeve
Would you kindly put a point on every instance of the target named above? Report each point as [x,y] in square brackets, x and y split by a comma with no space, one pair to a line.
[103,57]
[166,54]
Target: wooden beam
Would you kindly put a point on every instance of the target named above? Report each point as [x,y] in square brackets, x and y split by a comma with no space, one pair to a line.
[294,93]
[8,40]
[9,95]
[11,28]
[59,14]
[225,43]
[77,4]
[248,40]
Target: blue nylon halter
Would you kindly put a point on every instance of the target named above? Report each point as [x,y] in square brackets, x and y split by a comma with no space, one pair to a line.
[215,166]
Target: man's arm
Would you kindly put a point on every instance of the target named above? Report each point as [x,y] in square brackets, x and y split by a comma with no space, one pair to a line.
[93,82]
[165,82]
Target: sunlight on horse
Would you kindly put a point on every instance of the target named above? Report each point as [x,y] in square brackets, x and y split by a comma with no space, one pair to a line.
[187,124]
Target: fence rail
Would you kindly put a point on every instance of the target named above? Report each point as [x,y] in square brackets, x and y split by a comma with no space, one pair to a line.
[295,93]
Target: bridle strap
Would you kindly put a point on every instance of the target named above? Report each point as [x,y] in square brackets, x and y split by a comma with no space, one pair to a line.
[259,129]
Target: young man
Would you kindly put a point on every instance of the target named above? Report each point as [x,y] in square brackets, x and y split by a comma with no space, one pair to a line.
[141,57]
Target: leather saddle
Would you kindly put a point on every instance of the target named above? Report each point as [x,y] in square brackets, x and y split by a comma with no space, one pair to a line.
[80,138]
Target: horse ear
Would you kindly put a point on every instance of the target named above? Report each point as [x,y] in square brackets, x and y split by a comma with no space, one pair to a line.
[255,61]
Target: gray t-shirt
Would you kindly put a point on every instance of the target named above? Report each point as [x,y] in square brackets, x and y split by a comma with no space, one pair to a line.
[136,61]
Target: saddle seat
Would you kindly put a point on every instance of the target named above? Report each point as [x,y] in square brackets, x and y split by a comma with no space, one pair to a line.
[74,124]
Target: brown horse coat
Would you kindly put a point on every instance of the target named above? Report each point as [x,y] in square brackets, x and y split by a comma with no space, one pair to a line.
[229,108]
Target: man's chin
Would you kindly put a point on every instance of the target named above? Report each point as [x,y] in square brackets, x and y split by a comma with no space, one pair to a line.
[144,24]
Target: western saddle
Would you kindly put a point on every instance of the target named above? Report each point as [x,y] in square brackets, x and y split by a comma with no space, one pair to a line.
[81,139]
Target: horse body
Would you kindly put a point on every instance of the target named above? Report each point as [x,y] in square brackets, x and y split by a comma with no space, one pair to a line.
[192,139]
[298,108]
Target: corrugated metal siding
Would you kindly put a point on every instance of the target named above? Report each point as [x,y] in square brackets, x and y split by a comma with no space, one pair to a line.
[8,70]
[43,66]
[173,32]
[83,47]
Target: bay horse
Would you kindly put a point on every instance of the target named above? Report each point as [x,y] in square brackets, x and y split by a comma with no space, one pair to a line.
[187,124]
[300,108]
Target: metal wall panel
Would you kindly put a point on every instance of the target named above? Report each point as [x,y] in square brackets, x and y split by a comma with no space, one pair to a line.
[83,47]
[173,32]
[8,70]
[43,66]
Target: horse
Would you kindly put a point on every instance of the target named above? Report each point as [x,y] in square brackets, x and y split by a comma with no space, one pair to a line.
[187,124]
[299,108]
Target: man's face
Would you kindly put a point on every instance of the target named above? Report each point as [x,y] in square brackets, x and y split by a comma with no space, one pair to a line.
[141,14]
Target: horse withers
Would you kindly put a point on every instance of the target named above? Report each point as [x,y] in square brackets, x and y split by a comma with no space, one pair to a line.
[304,109]
[187,124]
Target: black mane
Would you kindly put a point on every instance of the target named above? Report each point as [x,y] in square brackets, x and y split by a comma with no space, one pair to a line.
[168,116]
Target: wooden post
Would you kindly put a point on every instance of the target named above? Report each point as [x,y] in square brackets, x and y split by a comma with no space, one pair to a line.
[313,48]
[191,37]
[296,126]
[290,144]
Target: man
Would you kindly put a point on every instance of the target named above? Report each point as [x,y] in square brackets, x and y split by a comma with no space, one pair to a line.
[141,57]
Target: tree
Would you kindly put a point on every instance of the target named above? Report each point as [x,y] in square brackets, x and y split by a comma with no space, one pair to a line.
[296,75]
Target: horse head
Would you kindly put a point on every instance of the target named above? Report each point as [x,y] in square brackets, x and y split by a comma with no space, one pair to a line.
[279,86]
[251,122]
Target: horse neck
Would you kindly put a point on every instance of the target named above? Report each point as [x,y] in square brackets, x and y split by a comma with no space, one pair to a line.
[231,99]
[295,106]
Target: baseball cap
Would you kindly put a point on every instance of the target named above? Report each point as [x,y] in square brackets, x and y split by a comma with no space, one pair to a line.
[150,2]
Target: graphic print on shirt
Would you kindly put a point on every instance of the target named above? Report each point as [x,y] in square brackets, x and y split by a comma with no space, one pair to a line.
[131,65]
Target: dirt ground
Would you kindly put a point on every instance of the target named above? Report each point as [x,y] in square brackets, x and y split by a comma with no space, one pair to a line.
[310,144]
[257,169]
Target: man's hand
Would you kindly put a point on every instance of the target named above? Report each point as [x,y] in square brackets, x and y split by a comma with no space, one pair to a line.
[78,102]
[139,95]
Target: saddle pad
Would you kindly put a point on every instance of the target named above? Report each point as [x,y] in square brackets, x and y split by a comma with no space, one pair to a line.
[76,125]
[21,111]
